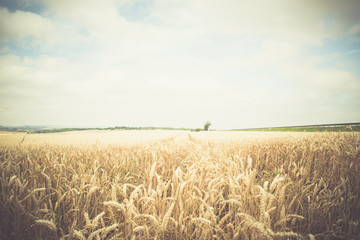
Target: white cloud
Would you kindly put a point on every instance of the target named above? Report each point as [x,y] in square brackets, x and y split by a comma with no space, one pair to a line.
[297,21]
[20,26]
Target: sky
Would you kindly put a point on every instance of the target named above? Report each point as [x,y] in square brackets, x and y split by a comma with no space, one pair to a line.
[179,63]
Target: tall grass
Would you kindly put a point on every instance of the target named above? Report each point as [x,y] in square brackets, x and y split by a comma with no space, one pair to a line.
[285,188]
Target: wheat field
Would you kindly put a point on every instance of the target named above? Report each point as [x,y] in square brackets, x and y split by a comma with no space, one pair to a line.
[180,185]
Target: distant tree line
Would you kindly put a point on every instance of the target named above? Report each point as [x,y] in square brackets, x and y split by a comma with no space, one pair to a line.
[43,129]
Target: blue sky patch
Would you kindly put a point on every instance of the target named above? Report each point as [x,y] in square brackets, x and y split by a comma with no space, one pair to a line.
[26,6]
[344,51]
[135,10]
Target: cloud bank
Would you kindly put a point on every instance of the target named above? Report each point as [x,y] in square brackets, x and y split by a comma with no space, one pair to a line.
[179,63]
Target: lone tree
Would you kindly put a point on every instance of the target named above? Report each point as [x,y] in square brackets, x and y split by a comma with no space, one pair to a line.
[207,125]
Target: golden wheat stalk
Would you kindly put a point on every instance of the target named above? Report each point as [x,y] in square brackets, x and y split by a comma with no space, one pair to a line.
[47,224]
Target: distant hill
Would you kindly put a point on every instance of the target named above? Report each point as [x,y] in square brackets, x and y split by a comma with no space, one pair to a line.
[337,127]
